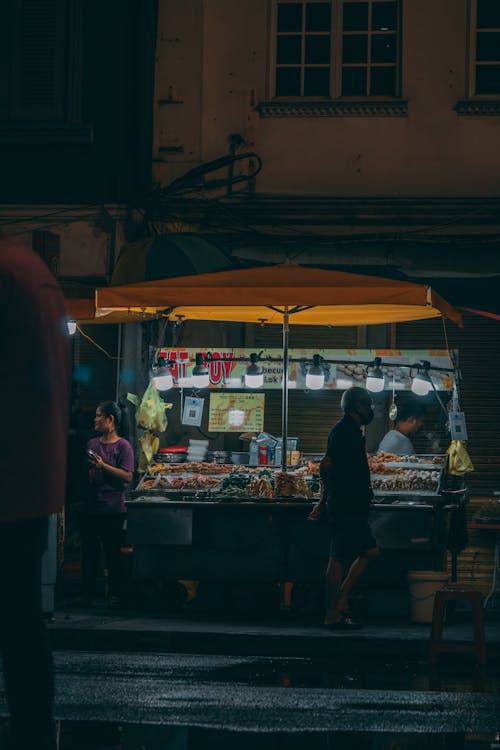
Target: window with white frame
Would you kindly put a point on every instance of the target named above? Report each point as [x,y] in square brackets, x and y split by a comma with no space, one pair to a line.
[485,47]
[332,48]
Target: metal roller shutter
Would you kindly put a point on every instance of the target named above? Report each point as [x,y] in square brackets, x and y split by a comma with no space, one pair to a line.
[478,345]
[311,414]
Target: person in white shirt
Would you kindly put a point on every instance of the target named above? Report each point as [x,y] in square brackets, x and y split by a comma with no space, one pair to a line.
[409,421]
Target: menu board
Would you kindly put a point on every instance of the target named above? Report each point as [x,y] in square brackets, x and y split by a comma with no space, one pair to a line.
[236,412]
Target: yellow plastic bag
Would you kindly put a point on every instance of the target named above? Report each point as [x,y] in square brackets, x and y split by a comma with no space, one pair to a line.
[151,412]
[149,445]
[459,462]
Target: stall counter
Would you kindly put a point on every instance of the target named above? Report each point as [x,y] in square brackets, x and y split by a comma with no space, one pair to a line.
[256,540]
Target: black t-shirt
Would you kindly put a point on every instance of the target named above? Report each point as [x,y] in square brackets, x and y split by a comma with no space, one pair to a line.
[347,481]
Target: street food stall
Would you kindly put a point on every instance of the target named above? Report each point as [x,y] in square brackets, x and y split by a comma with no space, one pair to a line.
[223,520]
[190,522]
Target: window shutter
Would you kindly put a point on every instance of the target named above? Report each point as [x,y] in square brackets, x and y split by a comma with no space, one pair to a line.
[39,70]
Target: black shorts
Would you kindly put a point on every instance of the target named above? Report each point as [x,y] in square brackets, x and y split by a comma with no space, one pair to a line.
[350,538]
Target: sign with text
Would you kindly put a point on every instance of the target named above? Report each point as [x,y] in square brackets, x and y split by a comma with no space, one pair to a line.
[236,412]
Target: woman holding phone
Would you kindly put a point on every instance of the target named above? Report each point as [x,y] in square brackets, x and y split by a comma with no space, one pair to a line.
[111,460]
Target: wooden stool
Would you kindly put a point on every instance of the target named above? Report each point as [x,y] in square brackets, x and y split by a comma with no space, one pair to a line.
[436,645]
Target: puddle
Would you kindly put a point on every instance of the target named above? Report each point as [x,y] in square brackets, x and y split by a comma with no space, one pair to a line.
[386,675]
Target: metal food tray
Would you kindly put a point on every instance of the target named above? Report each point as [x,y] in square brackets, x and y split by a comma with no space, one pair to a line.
[248,499]
[414,466]
[405,493]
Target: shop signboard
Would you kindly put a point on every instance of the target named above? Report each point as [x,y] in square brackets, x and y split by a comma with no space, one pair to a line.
[236,412]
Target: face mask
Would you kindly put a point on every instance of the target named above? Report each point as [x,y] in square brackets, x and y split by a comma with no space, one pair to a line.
[370,415]
[366,414]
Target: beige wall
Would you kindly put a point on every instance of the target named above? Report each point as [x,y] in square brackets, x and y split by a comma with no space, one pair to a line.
[214,52]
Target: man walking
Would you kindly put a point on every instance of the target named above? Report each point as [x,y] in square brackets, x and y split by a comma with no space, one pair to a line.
[34,378]
[346,498]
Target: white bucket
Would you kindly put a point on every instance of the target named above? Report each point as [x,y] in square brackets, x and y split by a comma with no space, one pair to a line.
[423,585]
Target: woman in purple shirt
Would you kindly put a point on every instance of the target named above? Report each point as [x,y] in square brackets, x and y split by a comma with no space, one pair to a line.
[111,461]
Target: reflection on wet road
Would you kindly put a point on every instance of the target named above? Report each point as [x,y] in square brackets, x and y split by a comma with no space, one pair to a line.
[201,701]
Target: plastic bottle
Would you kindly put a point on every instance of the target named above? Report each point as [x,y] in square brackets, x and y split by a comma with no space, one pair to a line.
[277,453]
[253,453]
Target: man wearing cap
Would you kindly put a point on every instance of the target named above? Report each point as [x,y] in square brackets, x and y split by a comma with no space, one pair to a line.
[347,499]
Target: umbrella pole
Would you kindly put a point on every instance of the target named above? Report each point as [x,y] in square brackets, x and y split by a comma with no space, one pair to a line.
[284,401]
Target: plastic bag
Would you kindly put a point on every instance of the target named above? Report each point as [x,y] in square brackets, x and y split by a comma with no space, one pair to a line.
[459,462]
[149,445]
[151,412]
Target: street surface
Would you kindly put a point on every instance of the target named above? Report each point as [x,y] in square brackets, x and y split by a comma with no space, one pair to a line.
[265,695]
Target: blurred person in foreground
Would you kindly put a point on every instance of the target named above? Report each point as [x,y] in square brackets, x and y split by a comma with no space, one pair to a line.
[34,383]
[346,499]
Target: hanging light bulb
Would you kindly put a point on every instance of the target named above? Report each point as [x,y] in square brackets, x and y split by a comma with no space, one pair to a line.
[375,380]
[315,378]
[71,327]
[162,377]
[421,383]
[254,376]
[200,377]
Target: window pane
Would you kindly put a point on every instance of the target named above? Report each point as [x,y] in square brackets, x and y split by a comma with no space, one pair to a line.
[290,17]
[317,49]
[354,82]
[354,48]
[355,17]
[318,17]
[488,79]
[383,48]
[383,81]
[488,45]
[488,14]
[288,50]
[288,82]
[317,82]
[384,16]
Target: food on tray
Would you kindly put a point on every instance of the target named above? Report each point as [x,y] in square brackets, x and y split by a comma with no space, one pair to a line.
[313,467]
[291,484]
[406,481]
[147,484]
[386,457]
[378,467]
[196,482]
[260,487]
[235,485]
[191,467]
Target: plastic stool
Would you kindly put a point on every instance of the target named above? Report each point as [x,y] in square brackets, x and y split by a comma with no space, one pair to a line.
[436,645]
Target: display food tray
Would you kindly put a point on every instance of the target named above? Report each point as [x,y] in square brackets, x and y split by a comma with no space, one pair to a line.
[247,499]
[412,465]
[405,493]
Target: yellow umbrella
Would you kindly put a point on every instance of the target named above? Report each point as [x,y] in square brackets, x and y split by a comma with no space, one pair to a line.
[312,296]
[277,294]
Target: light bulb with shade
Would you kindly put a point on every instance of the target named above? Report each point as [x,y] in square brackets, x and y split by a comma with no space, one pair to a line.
[421,385]
[315,377]
[71,327]
[375,380]
[162,377]
[200,377]
[254,376]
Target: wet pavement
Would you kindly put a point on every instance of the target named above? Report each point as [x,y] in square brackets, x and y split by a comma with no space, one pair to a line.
[272,695]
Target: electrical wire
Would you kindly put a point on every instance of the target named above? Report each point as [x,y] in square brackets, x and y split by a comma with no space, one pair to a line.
[98,346]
